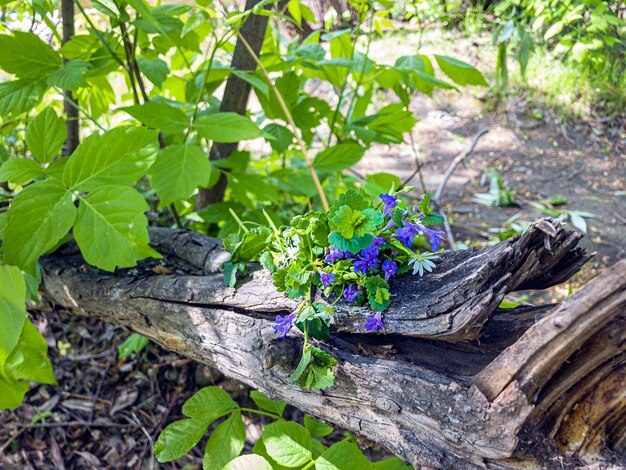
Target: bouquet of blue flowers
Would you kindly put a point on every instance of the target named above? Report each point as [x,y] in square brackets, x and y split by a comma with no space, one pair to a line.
[349,253]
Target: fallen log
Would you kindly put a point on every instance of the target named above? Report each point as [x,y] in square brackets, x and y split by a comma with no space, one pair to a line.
[457,382]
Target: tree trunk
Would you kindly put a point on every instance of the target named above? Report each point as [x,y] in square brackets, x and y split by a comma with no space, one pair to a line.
[71,112]
[236,94]
[459,383]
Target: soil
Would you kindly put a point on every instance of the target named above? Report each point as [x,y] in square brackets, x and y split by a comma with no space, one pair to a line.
[107,413]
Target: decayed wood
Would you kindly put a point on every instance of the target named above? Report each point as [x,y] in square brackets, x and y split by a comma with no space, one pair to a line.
[488,402]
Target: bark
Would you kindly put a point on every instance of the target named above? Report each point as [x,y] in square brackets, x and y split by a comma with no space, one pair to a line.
[523,388]
[236,94]
[71,112]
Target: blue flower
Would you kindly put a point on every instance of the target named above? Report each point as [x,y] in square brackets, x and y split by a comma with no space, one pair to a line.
[389,268]
[391,202]
[407,234]
[375,322]
[284,324]
[351,292]
[333,255]
[389,225]
[361,265]
[327,278]
[434,237]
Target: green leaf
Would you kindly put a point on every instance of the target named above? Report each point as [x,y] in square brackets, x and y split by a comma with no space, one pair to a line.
[339,157]
[264,402]
[208,404]
[460,72]
[39,217]
[19,96]
[288,443]
[159,115]
[251,245]
[378,293]
[12,392]
[230,274]
[144,12]
[259,85]
[108,7]
[20,171]
[70,76]
[29,359]
[355,199]
[353,245]
[133,344]
[317,428]
[119,156]
[283,137]
[12,298]
[342,456]
[304,362]
[155,70]
[225,443]
[319,374]
[27,56]
[178,438]
[81,46]
[178,171]
[227,127]
[45,135]
[248,462]
[378,183]
[432,219]
[111,228]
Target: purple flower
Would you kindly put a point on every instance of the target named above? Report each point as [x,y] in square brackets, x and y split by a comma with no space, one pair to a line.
[434,237]
[351,292]
[375,322]
[284,324]
[389,225]
[389,268]
[333,255]
[327,278]
[407,234]
[361,265]
[391,202]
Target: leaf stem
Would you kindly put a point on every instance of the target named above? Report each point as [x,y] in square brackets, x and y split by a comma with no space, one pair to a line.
[296,131]
[259,412]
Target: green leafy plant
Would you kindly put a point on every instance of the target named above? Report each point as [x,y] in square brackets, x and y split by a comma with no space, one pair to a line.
[283,443]
[350,252]
[498,195]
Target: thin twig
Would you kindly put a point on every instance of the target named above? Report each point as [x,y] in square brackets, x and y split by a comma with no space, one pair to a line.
[291,122]
[437,198]
[458,159]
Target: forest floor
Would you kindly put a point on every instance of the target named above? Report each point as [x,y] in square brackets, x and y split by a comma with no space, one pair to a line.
[107,413]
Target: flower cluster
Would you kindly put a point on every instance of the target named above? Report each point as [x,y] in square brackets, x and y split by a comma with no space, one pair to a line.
[351,253]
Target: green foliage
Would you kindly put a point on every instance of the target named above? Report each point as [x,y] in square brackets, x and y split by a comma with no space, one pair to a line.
[133,344]
[282,445]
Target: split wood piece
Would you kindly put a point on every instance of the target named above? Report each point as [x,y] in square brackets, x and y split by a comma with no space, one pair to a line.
[452,303]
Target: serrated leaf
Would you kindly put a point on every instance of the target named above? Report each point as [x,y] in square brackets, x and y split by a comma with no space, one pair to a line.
[178,171]
[248,462]
[155,70]
[339,157]
[20,171]
[27,56]
[353,245]
[178,438]
[342,456]
[378,293]
[354,199]
[432,219]
[119,156]
[133,344]
[111,229]
[317,428]
[460,72]
[19,96]
[225,443]
[208,404]
[70,76]
[45,135]
[264,402]
[12,306]
[29,359]
[159,115]
[39,217]
[288,443]
[227,127]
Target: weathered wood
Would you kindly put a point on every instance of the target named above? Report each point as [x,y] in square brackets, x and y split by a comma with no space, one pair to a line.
[435,403]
